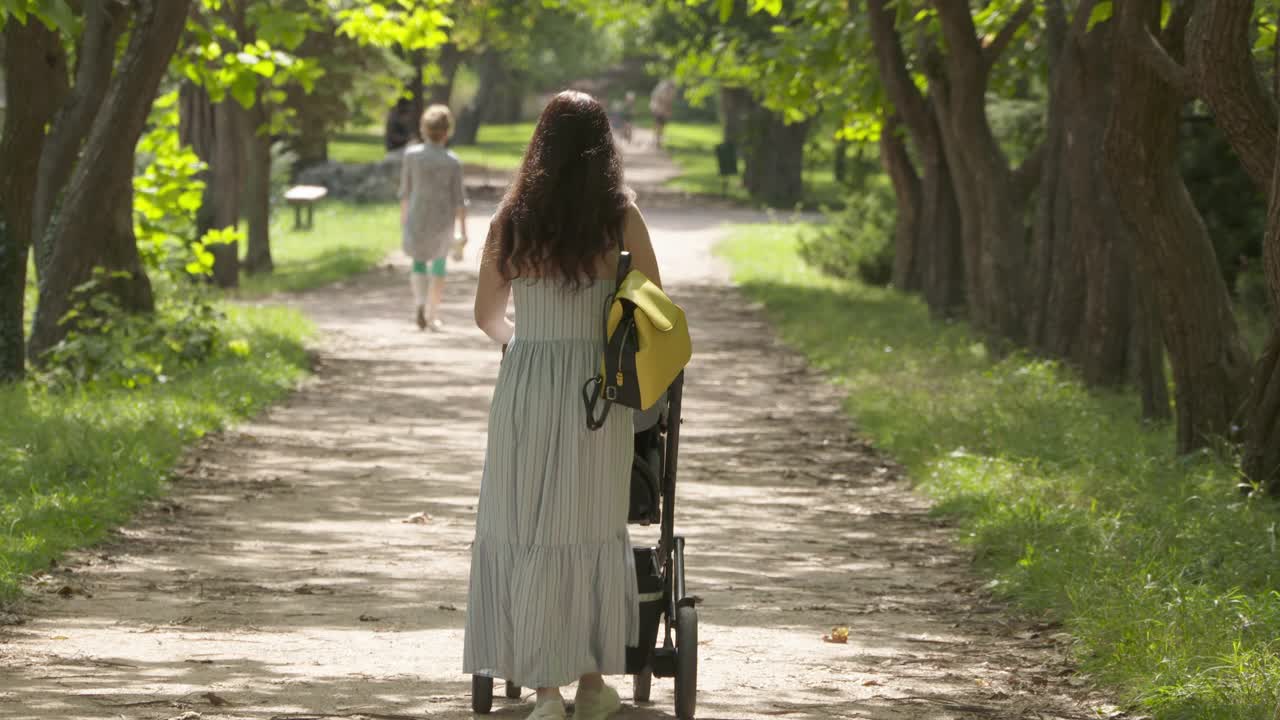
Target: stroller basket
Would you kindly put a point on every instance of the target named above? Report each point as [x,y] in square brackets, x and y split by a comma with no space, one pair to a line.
[651,604]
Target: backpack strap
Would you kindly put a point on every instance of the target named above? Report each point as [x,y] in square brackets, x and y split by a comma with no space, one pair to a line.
[591,391]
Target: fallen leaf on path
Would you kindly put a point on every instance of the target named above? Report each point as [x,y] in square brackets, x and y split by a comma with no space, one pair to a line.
[369,618]
[418,518]
[215,700]
[838,635]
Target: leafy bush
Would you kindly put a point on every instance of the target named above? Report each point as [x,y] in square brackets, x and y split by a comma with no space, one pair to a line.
[858,240]
[112,347]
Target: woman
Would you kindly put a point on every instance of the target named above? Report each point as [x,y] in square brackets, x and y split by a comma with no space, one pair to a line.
[553,584]
[432,199]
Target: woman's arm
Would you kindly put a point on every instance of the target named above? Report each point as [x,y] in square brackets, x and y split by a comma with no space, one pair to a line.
[492,294]
[635,235]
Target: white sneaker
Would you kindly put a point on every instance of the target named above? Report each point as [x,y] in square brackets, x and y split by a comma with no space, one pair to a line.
[596,704]
[548,710]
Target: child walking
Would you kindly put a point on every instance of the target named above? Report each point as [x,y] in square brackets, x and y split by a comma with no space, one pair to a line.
[432,201]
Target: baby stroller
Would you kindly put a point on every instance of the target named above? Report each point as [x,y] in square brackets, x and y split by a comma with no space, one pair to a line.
[664,603]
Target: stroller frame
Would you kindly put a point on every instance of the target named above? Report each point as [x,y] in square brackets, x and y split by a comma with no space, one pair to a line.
[664,600]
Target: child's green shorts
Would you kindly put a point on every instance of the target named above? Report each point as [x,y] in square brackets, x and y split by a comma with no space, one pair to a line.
[437,267]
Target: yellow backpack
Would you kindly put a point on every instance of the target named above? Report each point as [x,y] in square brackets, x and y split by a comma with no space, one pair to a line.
[647,345]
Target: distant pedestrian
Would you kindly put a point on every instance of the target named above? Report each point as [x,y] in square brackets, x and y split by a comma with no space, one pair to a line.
[628,115]
[661,101]
[399,129]
[432,201]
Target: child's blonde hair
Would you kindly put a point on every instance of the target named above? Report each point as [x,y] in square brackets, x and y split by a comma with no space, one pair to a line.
[437,123]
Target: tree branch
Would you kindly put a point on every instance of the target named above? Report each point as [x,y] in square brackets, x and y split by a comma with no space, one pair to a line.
[1002,40]
[1219,57]
[103,23]
[892,64]
[1080,23]
[1154,56]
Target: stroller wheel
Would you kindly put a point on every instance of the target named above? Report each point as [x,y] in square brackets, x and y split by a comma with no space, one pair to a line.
[643,681]
[686,662]
[513,691]
[481,694]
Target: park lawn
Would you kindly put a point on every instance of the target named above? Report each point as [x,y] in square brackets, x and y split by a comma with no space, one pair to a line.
[77,463]
[347,239]
[498,147]
[1165,575]
[692,148]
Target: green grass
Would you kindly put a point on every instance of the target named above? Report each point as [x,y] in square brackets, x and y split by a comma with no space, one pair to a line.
[498,147]
[347,239]
[75,464]
[1076,509]
[692,148]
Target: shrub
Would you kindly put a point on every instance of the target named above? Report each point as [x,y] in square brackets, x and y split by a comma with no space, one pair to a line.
[858,240]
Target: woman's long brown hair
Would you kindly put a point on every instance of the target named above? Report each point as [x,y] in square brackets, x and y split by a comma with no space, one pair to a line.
[566,206]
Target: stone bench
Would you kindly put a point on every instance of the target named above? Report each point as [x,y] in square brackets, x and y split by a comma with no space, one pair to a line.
[304,197]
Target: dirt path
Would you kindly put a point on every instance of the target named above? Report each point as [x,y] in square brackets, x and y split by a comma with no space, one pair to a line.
[280,581]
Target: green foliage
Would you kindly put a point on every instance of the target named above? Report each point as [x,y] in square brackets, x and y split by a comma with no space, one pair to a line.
[56,15]
[405,24]
[800,58]
[77,462]
[856,242]
[167,194]
[109,347]
[248,53]
[1072,505]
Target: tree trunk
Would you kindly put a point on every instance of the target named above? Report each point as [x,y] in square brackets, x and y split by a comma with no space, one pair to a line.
[507,103]
[33,63]
[1084,305]
[1261,460]
[256,152]
[938,245]
[490,73]
[103,23]
[1001,236]
[417,94]
[1146,355]
[941,251]
[214,133]
[966,206]
[1210,362]
[774,158]
[906,190]
[734,102]
[95,227]
[310,145]
[1057,299]
[1219,56]
[440,92]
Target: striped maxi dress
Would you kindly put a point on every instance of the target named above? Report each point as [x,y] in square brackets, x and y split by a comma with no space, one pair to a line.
[553,584]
